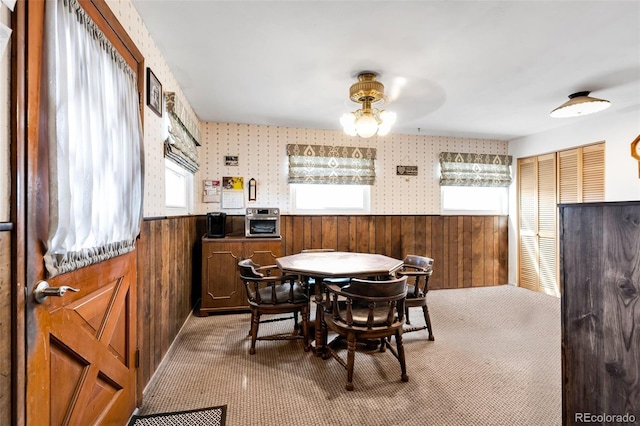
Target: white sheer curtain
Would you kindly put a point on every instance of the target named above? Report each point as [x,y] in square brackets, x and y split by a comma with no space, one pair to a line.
[95,143]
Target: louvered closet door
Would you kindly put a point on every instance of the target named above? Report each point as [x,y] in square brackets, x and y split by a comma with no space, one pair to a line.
[581,174]
[578,177]
[537,218]
[528,247]
[548,282]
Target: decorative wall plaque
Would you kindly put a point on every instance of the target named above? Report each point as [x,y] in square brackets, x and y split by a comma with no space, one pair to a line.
[407,170]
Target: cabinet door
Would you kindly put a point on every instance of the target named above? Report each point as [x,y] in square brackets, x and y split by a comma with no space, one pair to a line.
[221,285]
[263,252]
[600,276]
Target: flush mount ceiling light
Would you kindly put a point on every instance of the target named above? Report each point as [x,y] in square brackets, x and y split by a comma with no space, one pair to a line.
[579,104]
[367,121]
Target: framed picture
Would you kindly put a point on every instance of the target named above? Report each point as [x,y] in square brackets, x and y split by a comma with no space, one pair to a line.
[154,92]
[230,160]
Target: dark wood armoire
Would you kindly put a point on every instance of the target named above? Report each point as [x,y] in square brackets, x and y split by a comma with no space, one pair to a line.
[600,286]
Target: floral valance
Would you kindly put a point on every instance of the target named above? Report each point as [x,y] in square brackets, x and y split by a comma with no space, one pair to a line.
[470,169]
[331,164]
[184,135]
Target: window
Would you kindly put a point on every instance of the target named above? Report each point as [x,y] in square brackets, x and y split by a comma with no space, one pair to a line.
[178,189]
[326,198]
[472,183]
[462,200]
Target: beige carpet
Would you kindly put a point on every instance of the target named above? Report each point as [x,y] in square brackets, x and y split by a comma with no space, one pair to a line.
[495,361]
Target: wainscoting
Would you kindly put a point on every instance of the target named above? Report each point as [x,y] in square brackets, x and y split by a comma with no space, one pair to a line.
[469,251]
[168,265]
[5,326]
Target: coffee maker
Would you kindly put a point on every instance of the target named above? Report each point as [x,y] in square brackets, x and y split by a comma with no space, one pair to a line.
[216,224]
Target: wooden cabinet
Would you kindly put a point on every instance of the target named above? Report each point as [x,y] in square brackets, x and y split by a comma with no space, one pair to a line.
[600,282]
[222,289]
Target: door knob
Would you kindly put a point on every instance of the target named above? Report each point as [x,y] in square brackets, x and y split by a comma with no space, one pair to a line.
[43,290]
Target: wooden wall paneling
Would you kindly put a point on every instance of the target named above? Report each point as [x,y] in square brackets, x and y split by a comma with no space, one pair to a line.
[156,292]
[316,231]
[379,242]
[165,285]
[286,231]
[172,293]
[460,252]
[489,252]
[298,234]
[395,249]
[495,261]
[503,253]
[343,236]
[477,246]
[143,308]
[438,254]
[308,230]
[371,239]
[362,233]
[5,327]
[388,237]
[329,232]
[420,236]
[453,262]
[428,245]
[467,250]
[407,235]
[444,248]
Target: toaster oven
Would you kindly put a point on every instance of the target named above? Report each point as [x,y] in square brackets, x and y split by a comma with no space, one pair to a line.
[262,222]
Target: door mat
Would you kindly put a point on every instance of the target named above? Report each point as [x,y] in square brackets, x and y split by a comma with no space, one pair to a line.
[212,416]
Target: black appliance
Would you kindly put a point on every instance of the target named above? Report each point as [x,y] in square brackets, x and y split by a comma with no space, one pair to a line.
[216,224]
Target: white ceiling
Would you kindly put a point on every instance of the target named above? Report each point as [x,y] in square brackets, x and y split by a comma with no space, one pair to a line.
[485,69]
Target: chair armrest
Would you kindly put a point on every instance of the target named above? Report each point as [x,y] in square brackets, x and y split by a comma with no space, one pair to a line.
[275,278]
[333,288]
[415,273]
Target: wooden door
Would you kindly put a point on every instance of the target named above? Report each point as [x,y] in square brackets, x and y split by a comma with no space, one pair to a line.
[581,174]
[80,347]
[81,354]
[537,218]
[570,176]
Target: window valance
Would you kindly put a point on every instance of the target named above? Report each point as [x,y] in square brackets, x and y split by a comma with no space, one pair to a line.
[184,135]
[323,164]
[470,169]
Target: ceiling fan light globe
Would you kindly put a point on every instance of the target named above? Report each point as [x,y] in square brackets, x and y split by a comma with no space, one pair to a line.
[348,121]
[366,126]
[388,118]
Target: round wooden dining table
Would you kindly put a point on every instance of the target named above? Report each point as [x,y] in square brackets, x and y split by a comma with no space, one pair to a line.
[335,264]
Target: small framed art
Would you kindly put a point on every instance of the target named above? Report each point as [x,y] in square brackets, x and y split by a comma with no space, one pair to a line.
[154,92]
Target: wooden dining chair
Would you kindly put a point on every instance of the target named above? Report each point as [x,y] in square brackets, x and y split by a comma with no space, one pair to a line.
[271,295]
[365,311]
[418,270]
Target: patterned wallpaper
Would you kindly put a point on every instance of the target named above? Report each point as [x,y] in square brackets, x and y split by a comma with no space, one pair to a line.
[153,142]
[262,150]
